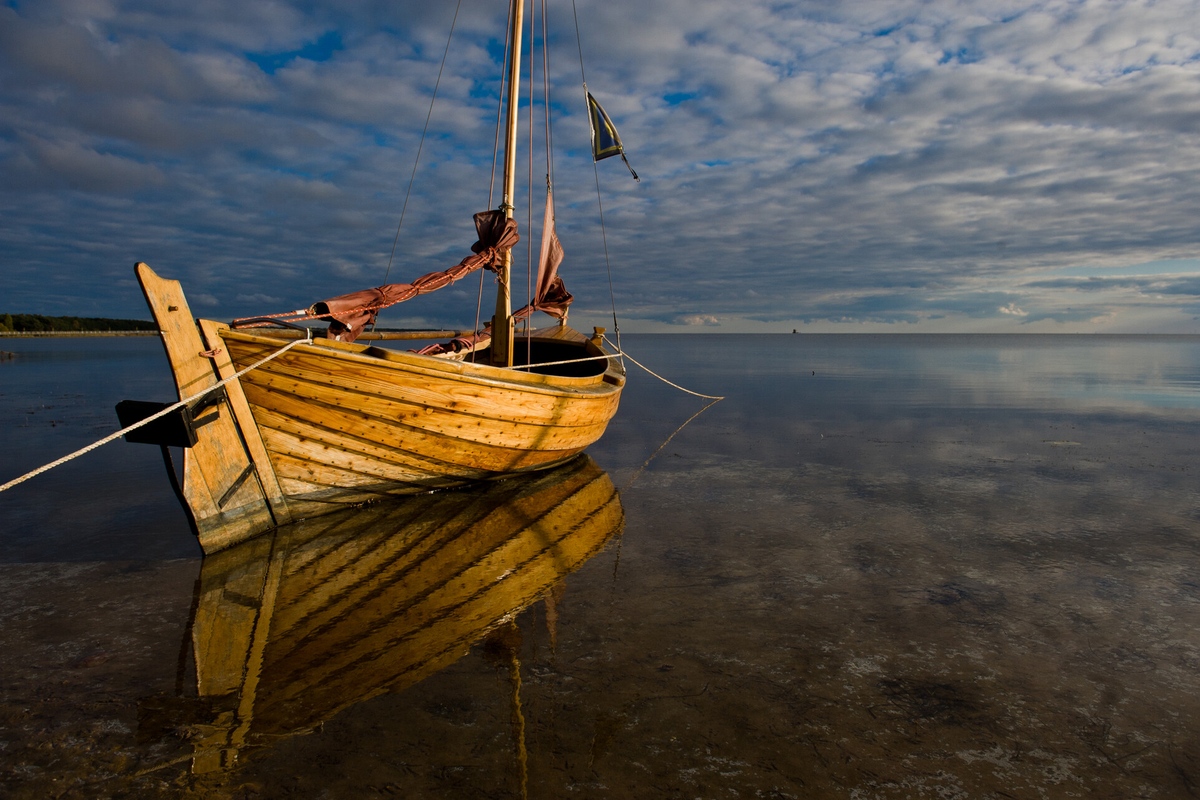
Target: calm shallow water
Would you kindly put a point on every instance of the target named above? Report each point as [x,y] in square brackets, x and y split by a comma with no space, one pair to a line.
[883,567]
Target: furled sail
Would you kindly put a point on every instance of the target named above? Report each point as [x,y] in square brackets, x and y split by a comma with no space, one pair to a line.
[551,296]
[350,313]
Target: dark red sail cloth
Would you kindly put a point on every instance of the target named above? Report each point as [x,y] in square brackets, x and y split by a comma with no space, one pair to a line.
[350,313]
[557,297]
[551,295]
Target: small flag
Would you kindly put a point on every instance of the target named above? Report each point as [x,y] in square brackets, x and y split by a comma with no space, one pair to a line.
[606,141]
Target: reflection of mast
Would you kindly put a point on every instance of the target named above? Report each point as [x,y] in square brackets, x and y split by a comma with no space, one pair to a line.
[504,646]
[518,718]
[292,627]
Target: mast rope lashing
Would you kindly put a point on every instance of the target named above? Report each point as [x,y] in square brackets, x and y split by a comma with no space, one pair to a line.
[185,401]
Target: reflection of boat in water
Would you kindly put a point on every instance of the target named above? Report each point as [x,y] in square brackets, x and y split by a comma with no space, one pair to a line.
[294,626]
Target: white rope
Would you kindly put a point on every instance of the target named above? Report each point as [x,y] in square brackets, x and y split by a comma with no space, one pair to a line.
[623,354]
[660,377]
[568,361]
[150,418]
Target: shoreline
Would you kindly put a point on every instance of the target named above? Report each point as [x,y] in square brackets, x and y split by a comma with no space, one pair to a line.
[36,334]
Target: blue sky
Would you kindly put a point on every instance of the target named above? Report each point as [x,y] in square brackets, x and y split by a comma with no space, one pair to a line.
[864,167]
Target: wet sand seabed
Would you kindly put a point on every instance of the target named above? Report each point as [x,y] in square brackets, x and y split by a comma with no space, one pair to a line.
[953,603]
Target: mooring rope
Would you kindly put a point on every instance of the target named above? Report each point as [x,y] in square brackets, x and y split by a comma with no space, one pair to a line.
[618,353]
[624,354]
[152,417]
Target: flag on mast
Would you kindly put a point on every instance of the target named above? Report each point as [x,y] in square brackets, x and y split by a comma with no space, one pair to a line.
[606,142]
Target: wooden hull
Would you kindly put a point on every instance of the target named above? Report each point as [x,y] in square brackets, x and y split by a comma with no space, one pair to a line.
[346,423]
[291,628]
[324,424]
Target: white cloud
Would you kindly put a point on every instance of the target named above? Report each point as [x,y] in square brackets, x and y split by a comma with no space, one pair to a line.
[696,320]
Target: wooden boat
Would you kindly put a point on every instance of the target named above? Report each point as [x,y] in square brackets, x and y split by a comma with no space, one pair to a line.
[335,421]
[292,627]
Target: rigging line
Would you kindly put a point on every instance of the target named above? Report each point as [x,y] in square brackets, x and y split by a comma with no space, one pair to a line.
[421,144]
[529,191]
[546,100]
[499,111]
[185,401]
[549,161]
[612,295]
[478,312]
[578,42]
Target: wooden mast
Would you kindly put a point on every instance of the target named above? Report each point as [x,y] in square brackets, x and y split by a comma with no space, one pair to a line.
[502,323]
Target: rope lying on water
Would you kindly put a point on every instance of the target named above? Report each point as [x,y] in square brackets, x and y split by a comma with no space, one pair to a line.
[638,473]
[185,401]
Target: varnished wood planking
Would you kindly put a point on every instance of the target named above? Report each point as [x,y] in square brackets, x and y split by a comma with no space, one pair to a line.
[398,453]
[351,459]
[433,434]
[480,371]
[245,421]
[333,407]
[514,399]
[416,395]
[319,432]
[214,465]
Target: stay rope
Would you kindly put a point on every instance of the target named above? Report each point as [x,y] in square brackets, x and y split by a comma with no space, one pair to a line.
[421,144]
[612,294]
[185,401]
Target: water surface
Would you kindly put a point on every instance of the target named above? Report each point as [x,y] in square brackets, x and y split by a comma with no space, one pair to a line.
[882,567]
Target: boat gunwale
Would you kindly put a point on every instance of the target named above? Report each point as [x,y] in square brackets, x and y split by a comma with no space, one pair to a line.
[612,379]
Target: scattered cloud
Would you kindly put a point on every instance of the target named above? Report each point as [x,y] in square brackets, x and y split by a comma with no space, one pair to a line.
[939,165]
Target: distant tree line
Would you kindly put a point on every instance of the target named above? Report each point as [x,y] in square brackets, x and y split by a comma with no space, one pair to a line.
[36,323]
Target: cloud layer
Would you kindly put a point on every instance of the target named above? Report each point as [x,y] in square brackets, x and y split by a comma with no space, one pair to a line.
[863,166]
